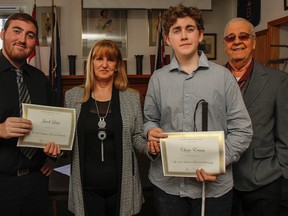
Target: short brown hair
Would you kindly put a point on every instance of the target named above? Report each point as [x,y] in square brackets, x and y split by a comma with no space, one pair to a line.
[23,17]
[171,15]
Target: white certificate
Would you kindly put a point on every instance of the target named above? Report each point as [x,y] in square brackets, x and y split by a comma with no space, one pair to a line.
[183,153]
[49,124]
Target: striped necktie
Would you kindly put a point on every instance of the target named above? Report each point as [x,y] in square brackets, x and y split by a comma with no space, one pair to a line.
[24,97]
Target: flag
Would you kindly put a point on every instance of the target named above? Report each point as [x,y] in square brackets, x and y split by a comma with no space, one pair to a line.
[249,10]
[160,46]
[55,60]
[34,58]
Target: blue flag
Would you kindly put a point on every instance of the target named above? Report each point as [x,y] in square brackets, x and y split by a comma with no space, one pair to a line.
[55,62]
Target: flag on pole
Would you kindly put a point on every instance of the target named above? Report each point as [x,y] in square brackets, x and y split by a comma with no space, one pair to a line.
[55,60]
[34,58]
[160,46]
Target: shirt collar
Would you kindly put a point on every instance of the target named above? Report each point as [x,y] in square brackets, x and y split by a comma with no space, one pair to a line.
[6,65]
[203,62]
[247,73]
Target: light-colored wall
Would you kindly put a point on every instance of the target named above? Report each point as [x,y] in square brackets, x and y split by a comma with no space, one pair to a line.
[138,31]
[70,30]
[215,20]
[270,10]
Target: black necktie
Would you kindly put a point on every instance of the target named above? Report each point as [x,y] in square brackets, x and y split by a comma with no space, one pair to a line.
[24,97]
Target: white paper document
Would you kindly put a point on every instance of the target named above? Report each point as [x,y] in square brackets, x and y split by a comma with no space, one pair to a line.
[49,124]
[64,169]
[183,153]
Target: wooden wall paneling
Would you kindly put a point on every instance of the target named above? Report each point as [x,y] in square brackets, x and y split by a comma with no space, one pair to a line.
[138,82]
[278,22]
[261,51]
[69,81]
[273,38]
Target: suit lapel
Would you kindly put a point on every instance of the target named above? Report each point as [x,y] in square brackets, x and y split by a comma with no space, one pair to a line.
[258,80]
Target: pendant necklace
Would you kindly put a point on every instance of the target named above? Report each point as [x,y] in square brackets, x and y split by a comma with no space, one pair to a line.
[102,124]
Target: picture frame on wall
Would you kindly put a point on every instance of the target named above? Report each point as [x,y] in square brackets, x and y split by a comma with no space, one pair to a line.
[98,24]
[44,20]
[208,45]
[285,4]
[153,25]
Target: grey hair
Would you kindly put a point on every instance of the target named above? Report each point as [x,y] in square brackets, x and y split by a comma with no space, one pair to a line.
[240,19]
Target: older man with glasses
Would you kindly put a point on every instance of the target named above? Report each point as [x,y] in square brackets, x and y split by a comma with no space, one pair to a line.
[259,173]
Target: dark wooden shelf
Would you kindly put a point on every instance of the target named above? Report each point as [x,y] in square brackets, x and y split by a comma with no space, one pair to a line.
[138,82]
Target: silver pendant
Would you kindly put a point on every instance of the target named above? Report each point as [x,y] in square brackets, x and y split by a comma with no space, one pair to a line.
[102,135]
[101,123]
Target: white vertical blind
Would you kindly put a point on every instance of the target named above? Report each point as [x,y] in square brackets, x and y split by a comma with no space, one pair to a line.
[146,4]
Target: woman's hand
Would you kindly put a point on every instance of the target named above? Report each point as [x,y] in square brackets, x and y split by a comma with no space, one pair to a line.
[153,147]
[154,135]
[202,176]
[52,150]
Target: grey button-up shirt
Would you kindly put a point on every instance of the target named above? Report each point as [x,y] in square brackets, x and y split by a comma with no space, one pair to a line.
[170,104]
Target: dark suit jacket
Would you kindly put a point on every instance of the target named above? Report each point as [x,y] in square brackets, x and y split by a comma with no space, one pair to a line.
[266,159]
[11,158]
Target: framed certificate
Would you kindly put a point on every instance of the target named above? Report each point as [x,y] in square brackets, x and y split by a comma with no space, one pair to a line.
[183,153]
[49,124]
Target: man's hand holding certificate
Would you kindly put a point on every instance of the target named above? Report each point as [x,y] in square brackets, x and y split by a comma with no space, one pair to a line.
[184,153]
[49,124]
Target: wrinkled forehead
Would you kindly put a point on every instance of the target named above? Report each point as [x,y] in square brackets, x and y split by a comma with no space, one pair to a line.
[238,26]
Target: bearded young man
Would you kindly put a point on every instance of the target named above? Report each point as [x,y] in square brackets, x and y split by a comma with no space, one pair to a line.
[24,181]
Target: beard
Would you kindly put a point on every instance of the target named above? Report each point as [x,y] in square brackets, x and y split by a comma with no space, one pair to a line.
[16,54]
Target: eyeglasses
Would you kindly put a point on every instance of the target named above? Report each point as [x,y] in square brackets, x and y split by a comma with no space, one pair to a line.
[243,36]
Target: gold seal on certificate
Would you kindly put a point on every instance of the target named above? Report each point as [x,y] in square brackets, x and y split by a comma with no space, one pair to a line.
[183,153]
[49,124]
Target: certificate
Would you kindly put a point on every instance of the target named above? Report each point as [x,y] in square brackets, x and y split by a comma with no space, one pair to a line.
[183,153]
[49,124]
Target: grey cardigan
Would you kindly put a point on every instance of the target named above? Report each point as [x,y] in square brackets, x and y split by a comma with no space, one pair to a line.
[131,190]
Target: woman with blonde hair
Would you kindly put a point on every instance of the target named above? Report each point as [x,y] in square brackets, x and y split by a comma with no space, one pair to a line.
[105,177]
